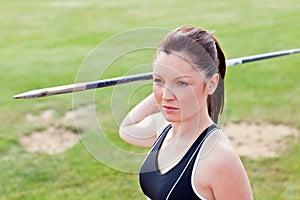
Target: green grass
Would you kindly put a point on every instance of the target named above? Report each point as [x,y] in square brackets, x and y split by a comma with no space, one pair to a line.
[44,43]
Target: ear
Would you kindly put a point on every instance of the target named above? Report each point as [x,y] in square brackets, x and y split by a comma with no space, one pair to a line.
[213,83]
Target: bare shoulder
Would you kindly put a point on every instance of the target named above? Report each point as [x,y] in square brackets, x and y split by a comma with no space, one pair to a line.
[222,152]
[225,173]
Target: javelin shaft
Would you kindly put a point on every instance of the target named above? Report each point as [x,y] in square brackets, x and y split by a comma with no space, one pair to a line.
[82,86]
[247,59]
[139,77]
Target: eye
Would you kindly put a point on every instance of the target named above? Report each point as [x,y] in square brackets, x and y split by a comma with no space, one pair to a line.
[182,83]
[158,81]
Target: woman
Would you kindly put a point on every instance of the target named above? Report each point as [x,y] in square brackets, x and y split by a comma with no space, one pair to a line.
[190,158]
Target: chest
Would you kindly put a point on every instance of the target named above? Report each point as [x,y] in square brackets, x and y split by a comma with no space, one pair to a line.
[168,171]
[168,156]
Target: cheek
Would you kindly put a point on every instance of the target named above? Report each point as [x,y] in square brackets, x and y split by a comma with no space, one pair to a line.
[157,93]
[187,98]
[192,97]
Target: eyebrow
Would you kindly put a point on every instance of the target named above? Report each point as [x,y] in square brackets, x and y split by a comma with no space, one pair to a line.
[185,76]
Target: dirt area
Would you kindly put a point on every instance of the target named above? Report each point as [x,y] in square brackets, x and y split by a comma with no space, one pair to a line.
[250,139]
[259,140]
[53,135]
[51,140]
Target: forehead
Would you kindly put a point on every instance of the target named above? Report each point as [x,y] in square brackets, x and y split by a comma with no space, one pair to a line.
[173,65]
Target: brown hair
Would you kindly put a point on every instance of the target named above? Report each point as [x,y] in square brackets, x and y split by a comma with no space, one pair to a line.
[202,50]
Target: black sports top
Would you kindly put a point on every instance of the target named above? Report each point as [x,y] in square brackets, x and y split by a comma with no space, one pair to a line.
[177,183]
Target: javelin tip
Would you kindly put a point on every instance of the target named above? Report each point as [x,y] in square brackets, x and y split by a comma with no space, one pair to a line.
[31,94]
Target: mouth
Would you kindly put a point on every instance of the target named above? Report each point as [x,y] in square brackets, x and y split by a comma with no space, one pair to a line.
[168,108]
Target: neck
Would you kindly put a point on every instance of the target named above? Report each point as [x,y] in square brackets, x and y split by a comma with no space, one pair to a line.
[192,127]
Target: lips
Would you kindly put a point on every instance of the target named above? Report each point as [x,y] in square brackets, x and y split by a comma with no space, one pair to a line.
[169,108]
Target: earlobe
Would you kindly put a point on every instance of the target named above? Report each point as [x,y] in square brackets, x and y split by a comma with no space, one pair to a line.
[211,90]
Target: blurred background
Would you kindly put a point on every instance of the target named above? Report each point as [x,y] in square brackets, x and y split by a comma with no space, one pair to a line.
[46,43]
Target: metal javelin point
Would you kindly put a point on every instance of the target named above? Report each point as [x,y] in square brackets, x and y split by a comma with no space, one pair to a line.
[138,77]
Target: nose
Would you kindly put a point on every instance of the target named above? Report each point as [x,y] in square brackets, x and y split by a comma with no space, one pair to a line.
[167,94]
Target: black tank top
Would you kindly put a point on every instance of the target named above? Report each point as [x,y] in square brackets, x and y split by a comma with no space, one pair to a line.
[177,182]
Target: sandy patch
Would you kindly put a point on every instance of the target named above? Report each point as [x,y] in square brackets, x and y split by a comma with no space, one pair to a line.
[56,136]
[250,139]
[259,140]
[51,140]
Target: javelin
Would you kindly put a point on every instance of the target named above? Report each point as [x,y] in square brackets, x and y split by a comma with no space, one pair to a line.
[138,77]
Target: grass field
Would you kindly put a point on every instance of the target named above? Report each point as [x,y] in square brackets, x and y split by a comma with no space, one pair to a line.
[44,43]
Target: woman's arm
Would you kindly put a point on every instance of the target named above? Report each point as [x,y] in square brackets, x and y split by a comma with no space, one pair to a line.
[142,124]
[220,174]
[229,179]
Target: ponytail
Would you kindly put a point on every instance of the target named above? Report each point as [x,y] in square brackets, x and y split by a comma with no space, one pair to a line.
[215,102]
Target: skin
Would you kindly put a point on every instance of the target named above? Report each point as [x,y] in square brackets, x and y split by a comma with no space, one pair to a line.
[180,97]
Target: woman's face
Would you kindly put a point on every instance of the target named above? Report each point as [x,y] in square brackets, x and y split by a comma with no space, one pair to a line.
[178,87]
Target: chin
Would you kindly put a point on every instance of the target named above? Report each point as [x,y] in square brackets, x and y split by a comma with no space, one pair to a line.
[172,118]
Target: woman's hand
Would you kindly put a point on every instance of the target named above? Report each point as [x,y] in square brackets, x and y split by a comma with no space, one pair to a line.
[142,124]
